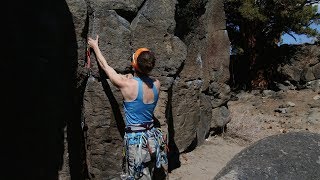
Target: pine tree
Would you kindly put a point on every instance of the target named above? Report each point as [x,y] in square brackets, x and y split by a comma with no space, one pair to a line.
[257,25]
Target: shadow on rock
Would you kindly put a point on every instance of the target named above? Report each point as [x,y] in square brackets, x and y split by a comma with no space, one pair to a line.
[38,71]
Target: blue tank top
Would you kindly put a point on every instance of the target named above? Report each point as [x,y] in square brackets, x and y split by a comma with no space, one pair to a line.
[136,111]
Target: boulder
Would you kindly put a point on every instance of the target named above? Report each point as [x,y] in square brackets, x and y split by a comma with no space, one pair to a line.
[294,155]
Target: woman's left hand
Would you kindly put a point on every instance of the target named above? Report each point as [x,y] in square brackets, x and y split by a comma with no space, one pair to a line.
[93,43]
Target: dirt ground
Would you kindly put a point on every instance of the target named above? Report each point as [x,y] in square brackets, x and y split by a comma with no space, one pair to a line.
[254,116]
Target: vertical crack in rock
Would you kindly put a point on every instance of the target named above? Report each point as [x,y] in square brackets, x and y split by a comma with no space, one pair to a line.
[173,154]
[81,90]
[85,30]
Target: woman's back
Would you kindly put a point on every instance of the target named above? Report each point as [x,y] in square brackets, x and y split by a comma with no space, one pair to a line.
[140,106]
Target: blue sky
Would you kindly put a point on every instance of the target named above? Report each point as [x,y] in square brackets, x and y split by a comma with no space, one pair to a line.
[300,39]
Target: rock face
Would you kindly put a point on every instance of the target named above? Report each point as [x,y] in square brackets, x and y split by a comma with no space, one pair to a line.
[192,66]
[301,65]
[285,156]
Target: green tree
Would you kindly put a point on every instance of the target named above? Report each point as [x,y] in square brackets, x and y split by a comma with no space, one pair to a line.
[254,26]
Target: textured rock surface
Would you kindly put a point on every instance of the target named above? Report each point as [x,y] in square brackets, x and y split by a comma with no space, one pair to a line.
[285,156]
[193,70]
[301,63]
[253,118]
[43,99]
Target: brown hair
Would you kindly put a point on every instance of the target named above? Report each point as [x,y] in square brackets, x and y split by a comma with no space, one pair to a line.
[146,62]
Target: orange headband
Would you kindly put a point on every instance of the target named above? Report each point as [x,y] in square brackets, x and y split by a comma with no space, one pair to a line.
[135,58]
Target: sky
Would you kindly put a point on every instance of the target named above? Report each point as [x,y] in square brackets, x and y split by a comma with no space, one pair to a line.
[300,39]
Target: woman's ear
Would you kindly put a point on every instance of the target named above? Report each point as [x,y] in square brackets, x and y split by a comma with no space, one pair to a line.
[134,62]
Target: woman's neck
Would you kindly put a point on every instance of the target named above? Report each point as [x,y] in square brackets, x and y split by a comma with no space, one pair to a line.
[139,75]
[145,78]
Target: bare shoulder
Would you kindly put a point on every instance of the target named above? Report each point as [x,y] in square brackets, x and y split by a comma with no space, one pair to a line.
[127,80]
[157,83]
[128,76]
